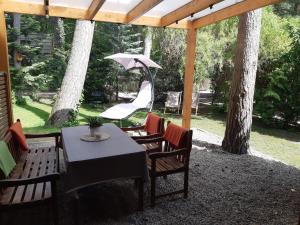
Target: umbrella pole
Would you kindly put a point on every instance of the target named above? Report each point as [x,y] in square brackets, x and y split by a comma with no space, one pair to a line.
[151,80]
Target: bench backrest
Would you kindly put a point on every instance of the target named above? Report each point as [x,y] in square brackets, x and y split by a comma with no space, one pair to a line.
[5,134]
[4,121]
[13,148]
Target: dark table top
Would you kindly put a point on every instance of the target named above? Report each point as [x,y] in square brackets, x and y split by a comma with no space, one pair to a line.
[118,144]
[88,163]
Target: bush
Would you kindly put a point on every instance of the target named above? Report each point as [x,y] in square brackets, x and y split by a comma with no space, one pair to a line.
[280,95]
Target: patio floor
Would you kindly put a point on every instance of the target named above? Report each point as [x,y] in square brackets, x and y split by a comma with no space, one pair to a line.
[224,189]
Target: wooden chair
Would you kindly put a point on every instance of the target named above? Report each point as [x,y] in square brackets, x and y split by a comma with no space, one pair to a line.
[154,127]
[173,159]
[195,101]
[173,101]
[33,181]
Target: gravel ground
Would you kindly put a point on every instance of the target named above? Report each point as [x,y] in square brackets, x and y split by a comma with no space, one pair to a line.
[224,189]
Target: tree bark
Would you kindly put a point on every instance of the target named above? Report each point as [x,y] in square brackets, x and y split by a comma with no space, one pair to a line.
[239,117]
[148,42]
[59,32]
[72,84]
[17,27]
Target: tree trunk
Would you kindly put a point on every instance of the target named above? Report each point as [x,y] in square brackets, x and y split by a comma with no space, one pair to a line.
[59,32]
[148,42]
[72,84]
[17,27]
[239,117]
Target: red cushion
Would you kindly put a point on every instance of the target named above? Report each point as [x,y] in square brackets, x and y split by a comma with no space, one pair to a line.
[152,123]
[175,134]
[17,131]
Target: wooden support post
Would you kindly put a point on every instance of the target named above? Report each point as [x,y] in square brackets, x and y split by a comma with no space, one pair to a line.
[189,77]
[4,63]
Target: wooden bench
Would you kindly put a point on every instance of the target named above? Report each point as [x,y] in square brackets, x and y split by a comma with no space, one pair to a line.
[33,181]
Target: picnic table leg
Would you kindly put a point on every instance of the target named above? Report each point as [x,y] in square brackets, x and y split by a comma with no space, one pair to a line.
[141,194]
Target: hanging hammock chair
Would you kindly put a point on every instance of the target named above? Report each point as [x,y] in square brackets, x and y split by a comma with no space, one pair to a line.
[145,97]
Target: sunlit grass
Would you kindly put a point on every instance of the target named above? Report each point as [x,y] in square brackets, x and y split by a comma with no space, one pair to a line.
[278,143]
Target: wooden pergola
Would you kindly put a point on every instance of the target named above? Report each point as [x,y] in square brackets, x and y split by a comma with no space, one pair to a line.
[182,14]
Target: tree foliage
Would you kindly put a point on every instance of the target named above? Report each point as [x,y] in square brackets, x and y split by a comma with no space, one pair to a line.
[279,96]
[215,53]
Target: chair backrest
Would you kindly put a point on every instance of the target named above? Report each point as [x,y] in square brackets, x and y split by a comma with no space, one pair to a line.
[154,124]
[173,99]
[195,99]
[144,96]
[184,138]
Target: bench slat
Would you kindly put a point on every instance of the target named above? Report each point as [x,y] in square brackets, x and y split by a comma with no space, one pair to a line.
[8,193]
[52,169]
[36,158]
[25,173]
[2,95]
[43,165]
[3,101]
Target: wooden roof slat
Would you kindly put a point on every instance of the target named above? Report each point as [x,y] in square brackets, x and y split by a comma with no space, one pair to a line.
[94,8]
[77,13]
[186,10]
[143,7]
[234,10]
[136,17]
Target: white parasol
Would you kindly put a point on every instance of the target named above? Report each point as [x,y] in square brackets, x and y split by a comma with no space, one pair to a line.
[133,60]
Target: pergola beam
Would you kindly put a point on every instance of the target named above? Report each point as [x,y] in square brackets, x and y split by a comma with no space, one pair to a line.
[187,10]
[189,77]
[143,7]
[4,62]
[76,13]
[94,8]
[234,10]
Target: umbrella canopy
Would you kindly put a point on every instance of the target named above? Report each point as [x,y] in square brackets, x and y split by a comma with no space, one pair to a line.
[132,60]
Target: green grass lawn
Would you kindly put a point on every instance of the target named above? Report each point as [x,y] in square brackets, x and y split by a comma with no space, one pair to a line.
[278,143]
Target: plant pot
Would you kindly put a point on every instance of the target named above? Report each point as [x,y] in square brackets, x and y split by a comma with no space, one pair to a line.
[93,131]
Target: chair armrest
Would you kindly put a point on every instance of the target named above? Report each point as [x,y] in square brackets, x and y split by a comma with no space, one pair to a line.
[156,155]
[146,136]
[133,128]
[56,135]
[150,140]
[16,182]
[31,136]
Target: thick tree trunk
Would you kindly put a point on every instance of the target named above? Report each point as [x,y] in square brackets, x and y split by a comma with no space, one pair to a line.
[74,78]
[148,42]
[59,32]
[239,117]
[17,27]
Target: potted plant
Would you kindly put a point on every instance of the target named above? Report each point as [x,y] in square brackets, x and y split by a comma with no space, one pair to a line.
[94,122]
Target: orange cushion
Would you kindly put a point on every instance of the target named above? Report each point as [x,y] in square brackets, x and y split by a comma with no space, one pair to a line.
[152,123]
[174,134]
[17,131]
